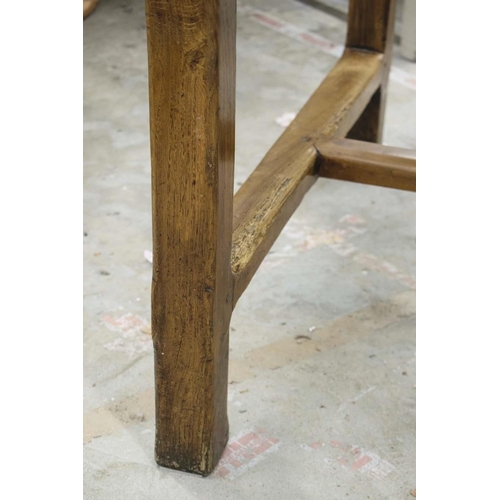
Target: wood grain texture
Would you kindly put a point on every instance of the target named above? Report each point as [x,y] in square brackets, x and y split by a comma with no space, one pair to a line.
[273,191]
[191,57]
[367,163]
[371,27]
[205,253]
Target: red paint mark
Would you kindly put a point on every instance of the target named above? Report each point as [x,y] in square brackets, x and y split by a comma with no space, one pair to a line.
[342,446]
[244,452]
[262,448]
[222,472]
[370,261]
[352,219]
[407,280]
[360,462]
[132,339]
[235,463]
[110,320]
[316,41]
[355,458]
[124,323]
[386,266]
[268,20]
[247,438]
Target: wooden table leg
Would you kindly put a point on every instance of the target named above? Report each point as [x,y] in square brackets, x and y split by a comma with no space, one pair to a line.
[371,27]
[191,52]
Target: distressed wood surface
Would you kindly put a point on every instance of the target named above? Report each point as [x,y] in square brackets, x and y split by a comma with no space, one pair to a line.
[367,163]
[191,56]
[274,190]
[205,253]
[371,27]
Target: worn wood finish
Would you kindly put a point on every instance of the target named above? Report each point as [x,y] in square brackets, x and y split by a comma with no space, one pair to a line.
[191,53]
[204,257]
[273,191]
[371,27]
[367,163]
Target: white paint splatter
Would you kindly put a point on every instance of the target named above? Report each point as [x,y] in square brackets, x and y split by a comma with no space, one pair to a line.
[285,119]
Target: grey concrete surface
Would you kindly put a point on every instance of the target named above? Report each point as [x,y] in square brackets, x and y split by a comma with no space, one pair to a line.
[325,417]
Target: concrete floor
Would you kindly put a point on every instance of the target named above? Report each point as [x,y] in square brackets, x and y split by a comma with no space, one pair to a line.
[328,417]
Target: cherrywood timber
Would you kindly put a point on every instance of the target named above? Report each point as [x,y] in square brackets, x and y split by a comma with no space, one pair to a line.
[274,190]
[191,54]
[371,27]
[367,163]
